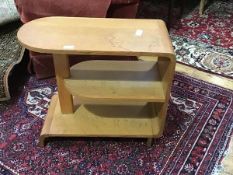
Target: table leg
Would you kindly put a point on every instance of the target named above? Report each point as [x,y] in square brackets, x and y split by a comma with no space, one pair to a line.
[169,16]
[62,70]
[149,142]
[202,6]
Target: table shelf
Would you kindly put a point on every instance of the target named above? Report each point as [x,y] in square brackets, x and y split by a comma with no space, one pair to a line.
[137,120]
[107,81]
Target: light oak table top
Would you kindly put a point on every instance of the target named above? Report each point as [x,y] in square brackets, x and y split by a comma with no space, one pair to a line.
[96,36]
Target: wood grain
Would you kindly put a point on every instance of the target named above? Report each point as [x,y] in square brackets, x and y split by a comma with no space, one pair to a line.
[62,70]
[96,36]
[208,77]
[100,121]
[111,81]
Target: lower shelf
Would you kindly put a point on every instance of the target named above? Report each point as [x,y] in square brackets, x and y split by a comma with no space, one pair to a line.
[101,121]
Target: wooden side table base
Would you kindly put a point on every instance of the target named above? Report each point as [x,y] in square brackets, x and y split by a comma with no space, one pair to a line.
[97,121]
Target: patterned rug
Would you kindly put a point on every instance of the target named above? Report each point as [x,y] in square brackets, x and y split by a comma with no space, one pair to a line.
[199,123]
[8,12]
[204,42]
[11,53]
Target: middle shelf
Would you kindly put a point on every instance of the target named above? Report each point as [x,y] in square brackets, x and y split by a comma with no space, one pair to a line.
[113,81]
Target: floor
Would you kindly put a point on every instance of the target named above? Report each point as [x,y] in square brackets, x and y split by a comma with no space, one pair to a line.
[227,162]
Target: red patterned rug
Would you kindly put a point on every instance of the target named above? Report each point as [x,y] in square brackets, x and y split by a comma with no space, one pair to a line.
[204,42]
[199,122]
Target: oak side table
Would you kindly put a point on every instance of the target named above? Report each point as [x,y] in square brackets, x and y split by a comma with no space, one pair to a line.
[104,98]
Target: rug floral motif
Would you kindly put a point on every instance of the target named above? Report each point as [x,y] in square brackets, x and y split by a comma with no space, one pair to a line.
[11,53]
[199,123]
[214,27]
[206,42]
[203,56]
